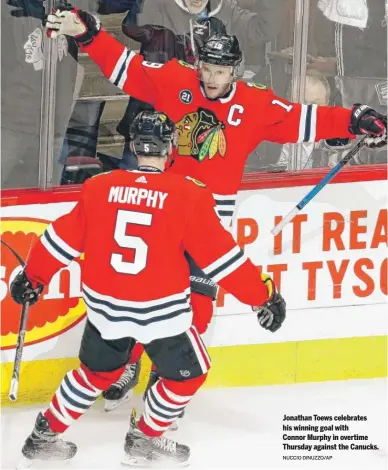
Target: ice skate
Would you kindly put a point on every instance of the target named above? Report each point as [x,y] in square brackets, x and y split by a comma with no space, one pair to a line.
[44,444]
[122,390]
[144,451]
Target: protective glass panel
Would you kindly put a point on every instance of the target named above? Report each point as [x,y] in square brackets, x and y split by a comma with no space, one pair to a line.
[347,64]
[22,59]
[88,109]
[269,61]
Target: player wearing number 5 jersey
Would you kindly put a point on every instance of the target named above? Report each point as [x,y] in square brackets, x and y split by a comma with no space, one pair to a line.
[134,228]
[219,120]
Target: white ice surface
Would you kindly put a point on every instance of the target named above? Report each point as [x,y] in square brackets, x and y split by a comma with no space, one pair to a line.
[233,428]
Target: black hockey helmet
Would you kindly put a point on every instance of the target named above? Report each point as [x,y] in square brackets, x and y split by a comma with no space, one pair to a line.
[221,49]
[152,133]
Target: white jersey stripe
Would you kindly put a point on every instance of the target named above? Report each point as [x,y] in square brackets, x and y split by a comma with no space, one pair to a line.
[118,65]
[225,197]
[124,75]
[220,261]
[136,316]
[232,267]
[136,304]
[53,252]
[61,243]
[173,326]
[313,128]
[302,123]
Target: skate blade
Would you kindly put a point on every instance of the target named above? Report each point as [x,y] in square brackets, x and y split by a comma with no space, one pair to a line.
[110,405]
[24,463]
[131,461]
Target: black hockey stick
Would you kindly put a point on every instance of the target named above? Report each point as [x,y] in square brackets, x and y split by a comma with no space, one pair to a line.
[13,390]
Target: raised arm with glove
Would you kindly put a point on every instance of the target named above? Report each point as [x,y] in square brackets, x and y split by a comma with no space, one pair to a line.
[365,120]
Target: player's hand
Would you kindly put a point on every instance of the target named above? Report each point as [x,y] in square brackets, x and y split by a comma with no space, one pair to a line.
[365,120]
[23,290]
[272,314]
[79,24]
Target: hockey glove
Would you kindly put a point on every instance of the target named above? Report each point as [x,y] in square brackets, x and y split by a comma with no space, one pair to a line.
[365,120]
[23,290]
[79,24]
[272,314]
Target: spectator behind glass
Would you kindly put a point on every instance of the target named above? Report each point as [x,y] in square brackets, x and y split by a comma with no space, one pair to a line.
[315,154]
[360,40]
[22,60]
[250,28]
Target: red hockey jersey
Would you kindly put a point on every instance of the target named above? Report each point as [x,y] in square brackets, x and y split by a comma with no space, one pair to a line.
[133,228]
[215,137]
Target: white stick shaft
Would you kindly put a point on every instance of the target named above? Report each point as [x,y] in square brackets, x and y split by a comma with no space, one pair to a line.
[279,227]
[13,390]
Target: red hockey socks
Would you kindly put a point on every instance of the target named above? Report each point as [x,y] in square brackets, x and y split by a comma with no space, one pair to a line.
[77,392]
[165,401]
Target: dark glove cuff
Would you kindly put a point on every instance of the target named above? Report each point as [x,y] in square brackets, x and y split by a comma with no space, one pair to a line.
[85,39]
[92,25]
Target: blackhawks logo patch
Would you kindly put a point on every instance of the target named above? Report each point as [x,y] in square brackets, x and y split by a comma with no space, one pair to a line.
[201,135]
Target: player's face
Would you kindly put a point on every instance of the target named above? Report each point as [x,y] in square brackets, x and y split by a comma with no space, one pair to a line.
[216,79]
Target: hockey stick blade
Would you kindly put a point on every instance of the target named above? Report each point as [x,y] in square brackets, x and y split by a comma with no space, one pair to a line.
[317,188]
[13,391]
[17,256]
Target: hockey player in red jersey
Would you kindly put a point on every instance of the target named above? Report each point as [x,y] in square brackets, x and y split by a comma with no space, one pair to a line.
[219,120]
[134,228]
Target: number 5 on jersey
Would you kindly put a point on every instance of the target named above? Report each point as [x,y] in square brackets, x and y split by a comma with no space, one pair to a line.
[128,241]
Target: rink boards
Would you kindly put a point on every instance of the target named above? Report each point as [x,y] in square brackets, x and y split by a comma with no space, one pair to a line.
[330,263]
